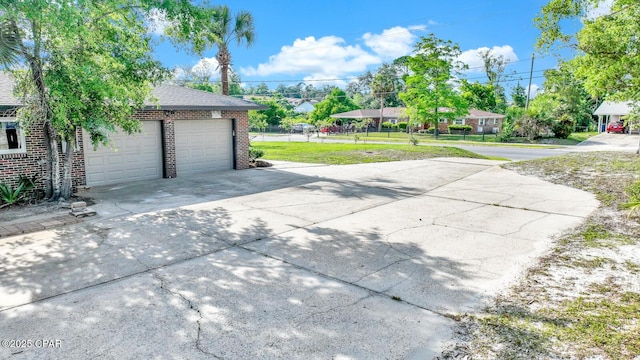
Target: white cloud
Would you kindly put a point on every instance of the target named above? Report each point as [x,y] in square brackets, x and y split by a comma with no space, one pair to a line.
[206,67]
[535,90]
[394,42]
[157,22]
[475,63]
[327,56]
[603,8]
[331,58]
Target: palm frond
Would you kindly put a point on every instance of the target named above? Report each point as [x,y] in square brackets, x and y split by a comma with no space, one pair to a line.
[9,43]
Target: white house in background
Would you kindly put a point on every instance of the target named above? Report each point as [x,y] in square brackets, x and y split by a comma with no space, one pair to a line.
[611,111]
[304,107]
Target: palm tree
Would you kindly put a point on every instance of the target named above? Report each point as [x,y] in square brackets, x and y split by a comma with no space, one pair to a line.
[9,43]
[225,30]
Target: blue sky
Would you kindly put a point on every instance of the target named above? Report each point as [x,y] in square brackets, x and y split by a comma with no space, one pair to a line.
[331,41]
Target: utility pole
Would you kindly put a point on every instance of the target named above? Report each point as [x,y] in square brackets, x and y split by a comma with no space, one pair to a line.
[533,56]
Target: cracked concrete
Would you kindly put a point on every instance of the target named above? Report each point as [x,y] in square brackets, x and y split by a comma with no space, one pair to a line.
[304,262]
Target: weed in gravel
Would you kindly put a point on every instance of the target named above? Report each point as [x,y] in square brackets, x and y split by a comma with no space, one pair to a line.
[593,263]
[610,324]
[632,267]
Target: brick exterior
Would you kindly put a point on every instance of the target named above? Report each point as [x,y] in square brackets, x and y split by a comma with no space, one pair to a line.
[12,166]
[443,128]
[34,161]
[242,137]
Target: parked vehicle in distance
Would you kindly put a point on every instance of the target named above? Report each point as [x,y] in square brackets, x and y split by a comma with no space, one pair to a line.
[332,129]
[615,127]
[303,127]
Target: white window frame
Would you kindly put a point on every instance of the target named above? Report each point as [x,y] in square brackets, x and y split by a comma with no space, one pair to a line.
[22,149]
[442,121]
[481,121]
[495,121]
[459,121]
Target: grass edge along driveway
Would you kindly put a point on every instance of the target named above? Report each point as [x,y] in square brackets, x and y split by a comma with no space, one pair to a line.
[343,154]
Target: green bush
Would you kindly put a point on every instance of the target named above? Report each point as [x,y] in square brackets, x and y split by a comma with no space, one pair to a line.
[563,127]
[460,127]
[10,195]
[387,125]
[402,125]
[255,153]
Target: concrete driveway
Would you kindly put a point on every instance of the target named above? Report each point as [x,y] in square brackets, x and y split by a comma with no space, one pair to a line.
[366,261]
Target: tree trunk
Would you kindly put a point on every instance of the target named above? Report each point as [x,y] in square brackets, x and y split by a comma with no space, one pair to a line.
[48,190]
[67,180]
[53,160]
[224,60]
[381,114]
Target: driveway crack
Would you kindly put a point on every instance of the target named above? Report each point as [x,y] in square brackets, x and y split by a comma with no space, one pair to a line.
[193,307]
[381,269]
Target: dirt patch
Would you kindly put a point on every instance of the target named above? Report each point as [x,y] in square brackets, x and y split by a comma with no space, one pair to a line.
[582,300]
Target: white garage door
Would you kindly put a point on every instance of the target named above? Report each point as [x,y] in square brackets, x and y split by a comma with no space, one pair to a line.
[127,158]
[203,145]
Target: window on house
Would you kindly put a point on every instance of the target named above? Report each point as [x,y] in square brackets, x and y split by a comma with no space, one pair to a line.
[495,121]
[480,121]
[442,120]
[458,121]
[11,137]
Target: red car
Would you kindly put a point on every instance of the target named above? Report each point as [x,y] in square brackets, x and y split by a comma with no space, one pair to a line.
[615,127]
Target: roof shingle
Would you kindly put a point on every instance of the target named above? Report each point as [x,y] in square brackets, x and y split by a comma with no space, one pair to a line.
[168,97]
[6,90]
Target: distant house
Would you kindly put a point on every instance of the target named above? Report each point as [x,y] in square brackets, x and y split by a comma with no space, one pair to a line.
[390,114]
[611,111]
[304,107]
[480,121]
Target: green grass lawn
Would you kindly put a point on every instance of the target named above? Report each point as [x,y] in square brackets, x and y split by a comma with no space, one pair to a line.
[487,140]
[339,154]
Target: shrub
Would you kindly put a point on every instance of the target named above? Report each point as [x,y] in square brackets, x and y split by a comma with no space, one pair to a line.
[255,153]
[402,125]
[387,125]
[460,128]
[9,195]
[563,127]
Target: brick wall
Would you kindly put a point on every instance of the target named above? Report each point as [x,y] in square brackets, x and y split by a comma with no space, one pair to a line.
[33,163]
[242,137]
[443,128]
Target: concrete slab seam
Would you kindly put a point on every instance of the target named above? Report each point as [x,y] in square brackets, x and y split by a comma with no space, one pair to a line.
[329,277]
[502,206]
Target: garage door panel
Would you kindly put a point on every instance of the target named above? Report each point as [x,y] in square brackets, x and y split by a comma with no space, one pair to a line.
[203,145]
[127,158]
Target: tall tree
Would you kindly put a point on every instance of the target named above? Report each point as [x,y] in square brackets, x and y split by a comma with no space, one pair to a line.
[519,96]
[226,29]
[384,87]
[86,64]
[429,93]
[336,102]
[479,96]
[569,94]
[495,67]
[608,60]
